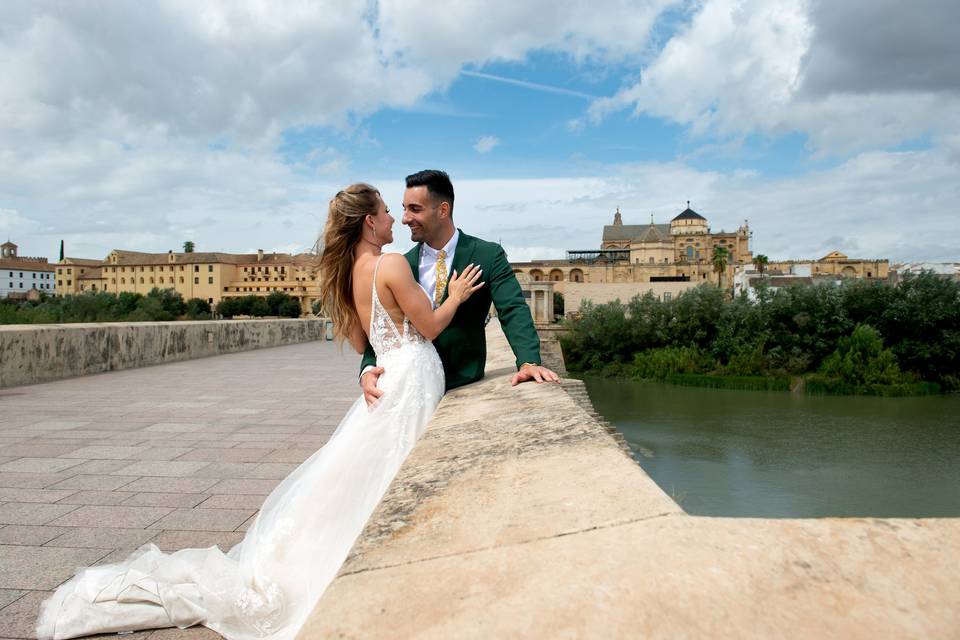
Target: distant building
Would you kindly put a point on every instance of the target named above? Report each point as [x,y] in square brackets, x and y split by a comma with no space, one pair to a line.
[679,251]
[949,270]
[833,268]
[209,276]
[24,277]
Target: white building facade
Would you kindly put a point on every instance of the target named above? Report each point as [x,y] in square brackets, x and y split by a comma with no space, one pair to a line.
[18,276]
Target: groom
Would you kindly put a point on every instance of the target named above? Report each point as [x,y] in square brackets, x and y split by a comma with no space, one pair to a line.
[441,250]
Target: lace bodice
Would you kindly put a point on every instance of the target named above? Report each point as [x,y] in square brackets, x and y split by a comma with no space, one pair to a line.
[385,335]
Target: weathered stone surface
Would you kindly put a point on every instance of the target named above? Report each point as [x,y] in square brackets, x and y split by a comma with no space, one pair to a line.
[39,353]
[41,568]
[518,516]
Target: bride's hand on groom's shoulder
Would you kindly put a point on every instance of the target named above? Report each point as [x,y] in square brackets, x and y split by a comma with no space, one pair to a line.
[462,286]
[529,371]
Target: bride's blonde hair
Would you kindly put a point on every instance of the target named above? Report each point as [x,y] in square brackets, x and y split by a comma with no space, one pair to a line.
[348,209]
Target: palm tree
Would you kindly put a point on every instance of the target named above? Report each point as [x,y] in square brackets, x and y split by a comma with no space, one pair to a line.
[720,257]
[188,246]
[761,261]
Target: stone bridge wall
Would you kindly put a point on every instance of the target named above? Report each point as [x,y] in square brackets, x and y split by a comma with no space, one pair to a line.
[40,353]
[517,515]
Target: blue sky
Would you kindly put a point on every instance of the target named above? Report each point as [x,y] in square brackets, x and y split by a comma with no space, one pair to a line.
[231,124]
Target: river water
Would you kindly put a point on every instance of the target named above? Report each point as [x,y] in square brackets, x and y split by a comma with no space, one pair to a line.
[777,455]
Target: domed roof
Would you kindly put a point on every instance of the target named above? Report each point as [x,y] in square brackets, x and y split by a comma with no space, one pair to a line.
[689,214]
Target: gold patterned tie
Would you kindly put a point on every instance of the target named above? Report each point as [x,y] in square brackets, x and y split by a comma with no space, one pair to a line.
[441,277]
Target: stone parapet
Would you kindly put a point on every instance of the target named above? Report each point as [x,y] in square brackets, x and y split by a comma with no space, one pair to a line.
[517,515]
[41,353]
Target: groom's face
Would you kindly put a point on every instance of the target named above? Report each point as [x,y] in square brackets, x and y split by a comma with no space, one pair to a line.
[421,214]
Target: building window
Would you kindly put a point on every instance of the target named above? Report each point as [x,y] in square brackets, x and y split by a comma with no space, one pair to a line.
[651,260]
[59,272]
[667,296]
[151,280]
[21,286]
[34,276]
[69,271]
[181,279]
[196,268]
[123,281]
[210,268]
[69,282]
[113,281]
[210,280]
[59,283]
[196,281]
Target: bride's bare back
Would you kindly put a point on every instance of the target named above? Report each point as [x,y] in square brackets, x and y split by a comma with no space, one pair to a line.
[401,296]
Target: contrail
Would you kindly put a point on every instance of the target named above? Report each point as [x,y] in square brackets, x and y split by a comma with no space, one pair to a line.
[530,85]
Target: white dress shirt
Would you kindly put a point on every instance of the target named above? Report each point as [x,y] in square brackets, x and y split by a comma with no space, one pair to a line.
[428,264]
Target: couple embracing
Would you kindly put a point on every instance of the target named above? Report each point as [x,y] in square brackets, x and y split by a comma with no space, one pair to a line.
[419,320]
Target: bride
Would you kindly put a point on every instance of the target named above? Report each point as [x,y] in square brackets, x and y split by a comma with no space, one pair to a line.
[266,586]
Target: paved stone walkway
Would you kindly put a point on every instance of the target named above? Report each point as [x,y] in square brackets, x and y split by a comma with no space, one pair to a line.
[181,455]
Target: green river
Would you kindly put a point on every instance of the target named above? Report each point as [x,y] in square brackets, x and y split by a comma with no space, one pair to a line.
[788,455]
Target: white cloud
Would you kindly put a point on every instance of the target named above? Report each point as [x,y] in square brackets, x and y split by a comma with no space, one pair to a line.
[746,66]
[485,144]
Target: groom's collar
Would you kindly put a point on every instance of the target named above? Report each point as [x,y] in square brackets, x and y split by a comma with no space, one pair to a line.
[450,247]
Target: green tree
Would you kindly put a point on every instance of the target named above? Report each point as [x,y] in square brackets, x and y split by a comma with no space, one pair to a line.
[289,308]
[719,259]
[860,359]
[761,261]
[188,246]
[558,304]
[197,309]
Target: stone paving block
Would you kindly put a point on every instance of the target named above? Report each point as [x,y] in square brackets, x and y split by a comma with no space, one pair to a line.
[38,465]
[37,450]
[227,455]
[101,537]
[182,500]
[232,501]
[204,519]
[19,620]
[106,453]
[168,485]
[274,470]
[97,497]
[8,494]
[56,425]
[290,455]
[227,470]
[98,467]
[117,516]
[244,485]
[28,534]
[247,523]
[176,540]
[154,452]
[94,482]
[35,513]
[9,595]
[176,427]
[163,469]
[41,568]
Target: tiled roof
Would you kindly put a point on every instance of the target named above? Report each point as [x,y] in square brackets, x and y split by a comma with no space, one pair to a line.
[689,214]
[25,265]
[83,262]
[141,258]
[632,231]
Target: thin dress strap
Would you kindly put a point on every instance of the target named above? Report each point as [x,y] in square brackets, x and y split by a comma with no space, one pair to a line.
[375,299]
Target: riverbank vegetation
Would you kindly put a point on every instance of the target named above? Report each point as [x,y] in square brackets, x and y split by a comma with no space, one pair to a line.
[857,338]
[158,305]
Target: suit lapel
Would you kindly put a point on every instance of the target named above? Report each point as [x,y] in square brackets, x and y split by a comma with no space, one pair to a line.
[462,256]
[413,257]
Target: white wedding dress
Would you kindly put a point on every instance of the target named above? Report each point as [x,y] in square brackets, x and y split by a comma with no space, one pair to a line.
[266,586]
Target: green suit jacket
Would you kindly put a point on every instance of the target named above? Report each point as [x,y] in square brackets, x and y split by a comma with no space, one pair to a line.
[462,345]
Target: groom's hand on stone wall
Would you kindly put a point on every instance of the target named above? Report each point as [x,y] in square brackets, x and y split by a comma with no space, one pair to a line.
[368,382]
[529,371]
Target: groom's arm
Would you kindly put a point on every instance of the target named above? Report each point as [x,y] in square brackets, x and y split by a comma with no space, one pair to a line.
[512,309]
[369,359]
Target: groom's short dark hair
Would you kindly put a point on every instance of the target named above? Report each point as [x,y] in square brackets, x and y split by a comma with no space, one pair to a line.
[437,183]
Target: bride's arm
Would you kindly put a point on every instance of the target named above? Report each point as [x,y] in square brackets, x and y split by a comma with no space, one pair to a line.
[357,338]
[416,306]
